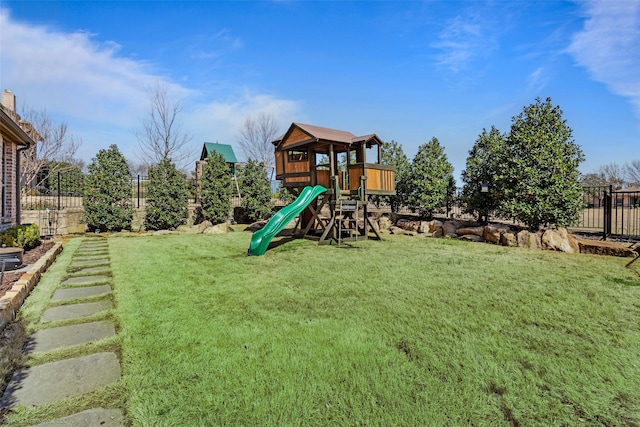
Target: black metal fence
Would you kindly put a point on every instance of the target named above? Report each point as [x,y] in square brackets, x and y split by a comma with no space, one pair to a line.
[614,213]
[62,190]
[59,190]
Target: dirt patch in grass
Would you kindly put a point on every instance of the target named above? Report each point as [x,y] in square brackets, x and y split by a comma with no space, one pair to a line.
[29,257]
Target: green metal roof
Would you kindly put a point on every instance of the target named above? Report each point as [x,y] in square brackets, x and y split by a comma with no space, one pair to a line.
[224,149]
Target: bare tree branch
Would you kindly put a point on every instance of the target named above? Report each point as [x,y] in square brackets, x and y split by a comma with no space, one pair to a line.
[613,174]
[633,172]
[255,139]
[53,144]
[162,136]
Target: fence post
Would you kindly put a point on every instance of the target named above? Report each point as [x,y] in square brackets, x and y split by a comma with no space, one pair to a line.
[58,190]
[607,213]
[138,191]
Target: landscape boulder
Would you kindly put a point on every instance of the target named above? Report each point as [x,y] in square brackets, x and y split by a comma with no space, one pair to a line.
[185,229]
[435,228]
[450,228]
[492,233]
[559,240]
[218,229]
[528,239]
[395,230]
[384,223]
[199,228]
[475,231]
[507,238]
[408,225]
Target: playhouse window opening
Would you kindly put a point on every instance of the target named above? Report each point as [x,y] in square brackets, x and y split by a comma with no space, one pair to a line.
[297,156]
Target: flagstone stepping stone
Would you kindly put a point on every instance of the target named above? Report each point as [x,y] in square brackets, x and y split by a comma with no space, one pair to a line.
[67,336]
[90,263]
[83,292]
[91,417]
[95,254]
[53,381]
[75,311]
[91,270]
[77,259]
[92,248]
[85,280]
[95,242]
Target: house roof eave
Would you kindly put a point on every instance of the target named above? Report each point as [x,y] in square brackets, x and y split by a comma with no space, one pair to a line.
[13,131]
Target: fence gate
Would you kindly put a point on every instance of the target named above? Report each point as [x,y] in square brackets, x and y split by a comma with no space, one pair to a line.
[614,213]
[48,222]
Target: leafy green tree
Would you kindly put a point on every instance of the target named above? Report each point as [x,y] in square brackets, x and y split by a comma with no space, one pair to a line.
[216,190]
[255,189]
[429,179]
[539,179]
[393,155]
[107,197]
[167,197]
[482,167]
[284,194]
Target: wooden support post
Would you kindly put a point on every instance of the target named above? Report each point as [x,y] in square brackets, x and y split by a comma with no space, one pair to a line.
[364,154]
[365,202]
[325,239]
[332,161]
[314,218]
[312,167]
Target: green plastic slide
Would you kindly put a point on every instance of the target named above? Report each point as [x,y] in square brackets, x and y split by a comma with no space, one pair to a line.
[261,238]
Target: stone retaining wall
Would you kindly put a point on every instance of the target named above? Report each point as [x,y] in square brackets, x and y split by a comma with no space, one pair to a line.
[70,221]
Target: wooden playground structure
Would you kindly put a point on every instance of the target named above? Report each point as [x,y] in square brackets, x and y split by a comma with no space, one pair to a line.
[309,155]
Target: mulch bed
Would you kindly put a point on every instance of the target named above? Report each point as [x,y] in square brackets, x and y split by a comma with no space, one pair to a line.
[29,257]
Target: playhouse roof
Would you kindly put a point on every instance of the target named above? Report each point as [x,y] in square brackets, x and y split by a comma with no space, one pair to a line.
[318,134]
[224,149]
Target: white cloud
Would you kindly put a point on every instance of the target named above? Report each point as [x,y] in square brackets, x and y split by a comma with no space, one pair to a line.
[465,38]
[537,80]
[103,95]
[608,46]
[70,73]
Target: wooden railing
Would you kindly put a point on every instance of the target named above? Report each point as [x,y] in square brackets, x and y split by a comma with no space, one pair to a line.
[380,178]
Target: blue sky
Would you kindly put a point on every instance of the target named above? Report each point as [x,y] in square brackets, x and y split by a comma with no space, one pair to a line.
[405,70]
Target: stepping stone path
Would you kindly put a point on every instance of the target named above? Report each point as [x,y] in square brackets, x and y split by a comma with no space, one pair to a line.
[53,381]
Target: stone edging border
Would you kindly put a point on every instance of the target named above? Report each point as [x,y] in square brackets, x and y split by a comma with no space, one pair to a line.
[11,302]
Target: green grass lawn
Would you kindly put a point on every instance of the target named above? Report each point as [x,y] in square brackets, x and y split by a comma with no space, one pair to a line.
[408,331]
